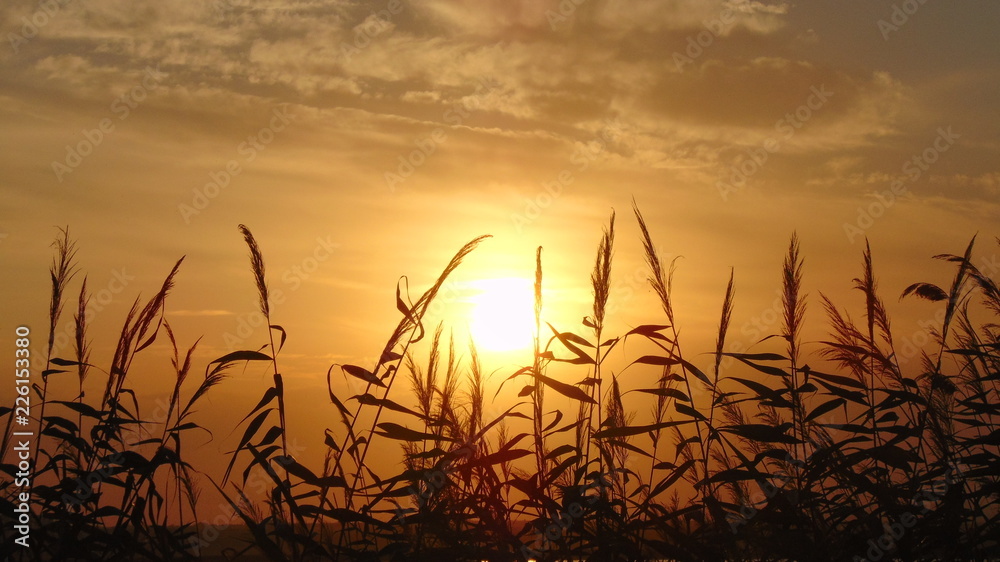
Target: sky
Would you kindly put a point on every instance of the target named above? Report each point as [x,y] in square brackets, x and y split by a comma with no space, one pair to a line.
[364,141]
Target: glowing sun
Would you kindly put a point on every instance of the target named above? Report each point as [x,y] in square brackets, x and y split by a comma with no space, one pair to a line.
[503,313]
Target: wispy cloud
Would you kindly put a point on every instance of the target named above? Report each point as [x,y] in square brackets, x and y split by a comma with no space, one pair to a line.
[206,312]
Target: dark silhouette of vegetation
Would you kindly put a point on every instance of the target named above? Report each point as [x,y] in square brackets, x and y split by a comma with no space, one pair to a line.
[772,458]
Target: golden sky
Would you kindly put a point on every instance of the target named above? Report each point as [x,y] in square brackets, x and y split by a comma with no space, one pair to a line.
[362,141]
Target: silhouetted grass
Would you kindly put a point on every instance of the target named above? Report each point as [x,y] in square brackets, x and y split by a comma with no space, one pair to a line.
[803,450]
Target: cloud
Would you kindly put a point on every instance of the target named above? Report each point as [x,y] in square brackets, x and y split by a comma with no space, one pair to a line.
[984,186]
[657,15]
[374,79]
[207,312]
[486,18]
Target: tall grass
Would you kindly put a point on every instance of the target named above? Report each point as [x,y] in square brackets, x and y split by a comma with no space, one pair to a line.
[108,482]
[801,450]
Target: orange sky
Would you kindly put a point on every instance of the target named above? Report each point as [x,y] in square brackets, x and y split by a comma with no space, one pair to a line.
[361,141]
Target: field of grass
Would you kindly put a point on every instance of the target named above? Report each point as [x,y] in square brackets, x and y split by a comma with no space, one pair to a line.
[768,459]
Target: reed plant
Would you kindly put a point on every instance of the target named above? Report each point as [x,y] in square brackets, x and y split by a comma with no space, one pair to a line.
[808,450]
[108,478]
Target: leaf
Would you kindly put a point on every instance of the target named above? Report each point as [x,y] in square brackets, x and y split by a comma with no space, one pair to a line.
[807,387]
[504,456]
[837,379]
[658,360]
[251,430]
[271,436]
[668,392]
[557,418]
[825,407]
[669,481]
[630,447]
[389,356]
[186,426]
[295,469]
[688,411]
[763,391]
[269,395]
[370,400]
[636,429]
[561,450]
[733,475]
[343,515]
[432,454]
[106,511]
[63,422]
[894,456]
[570,336]
[64,362]
[244,355]
[562,467]
[567,338]
[766,369]
[363,374]
[762,432]
[336,401]
[889,417]
[697,372]
[566,390]
[927,291]
[400,433]
[82,408]
[330,441]
[284,336]
[401,305]
[853,396]
[651,331]
[684,443]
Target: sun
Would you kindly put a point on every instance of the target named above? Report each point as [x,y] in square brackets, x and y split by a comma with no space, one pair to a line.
[503,314]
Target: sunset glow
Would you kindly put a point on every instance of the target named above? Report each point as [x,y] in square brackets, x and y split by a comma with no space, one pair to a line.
[766,233]
[502,317]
